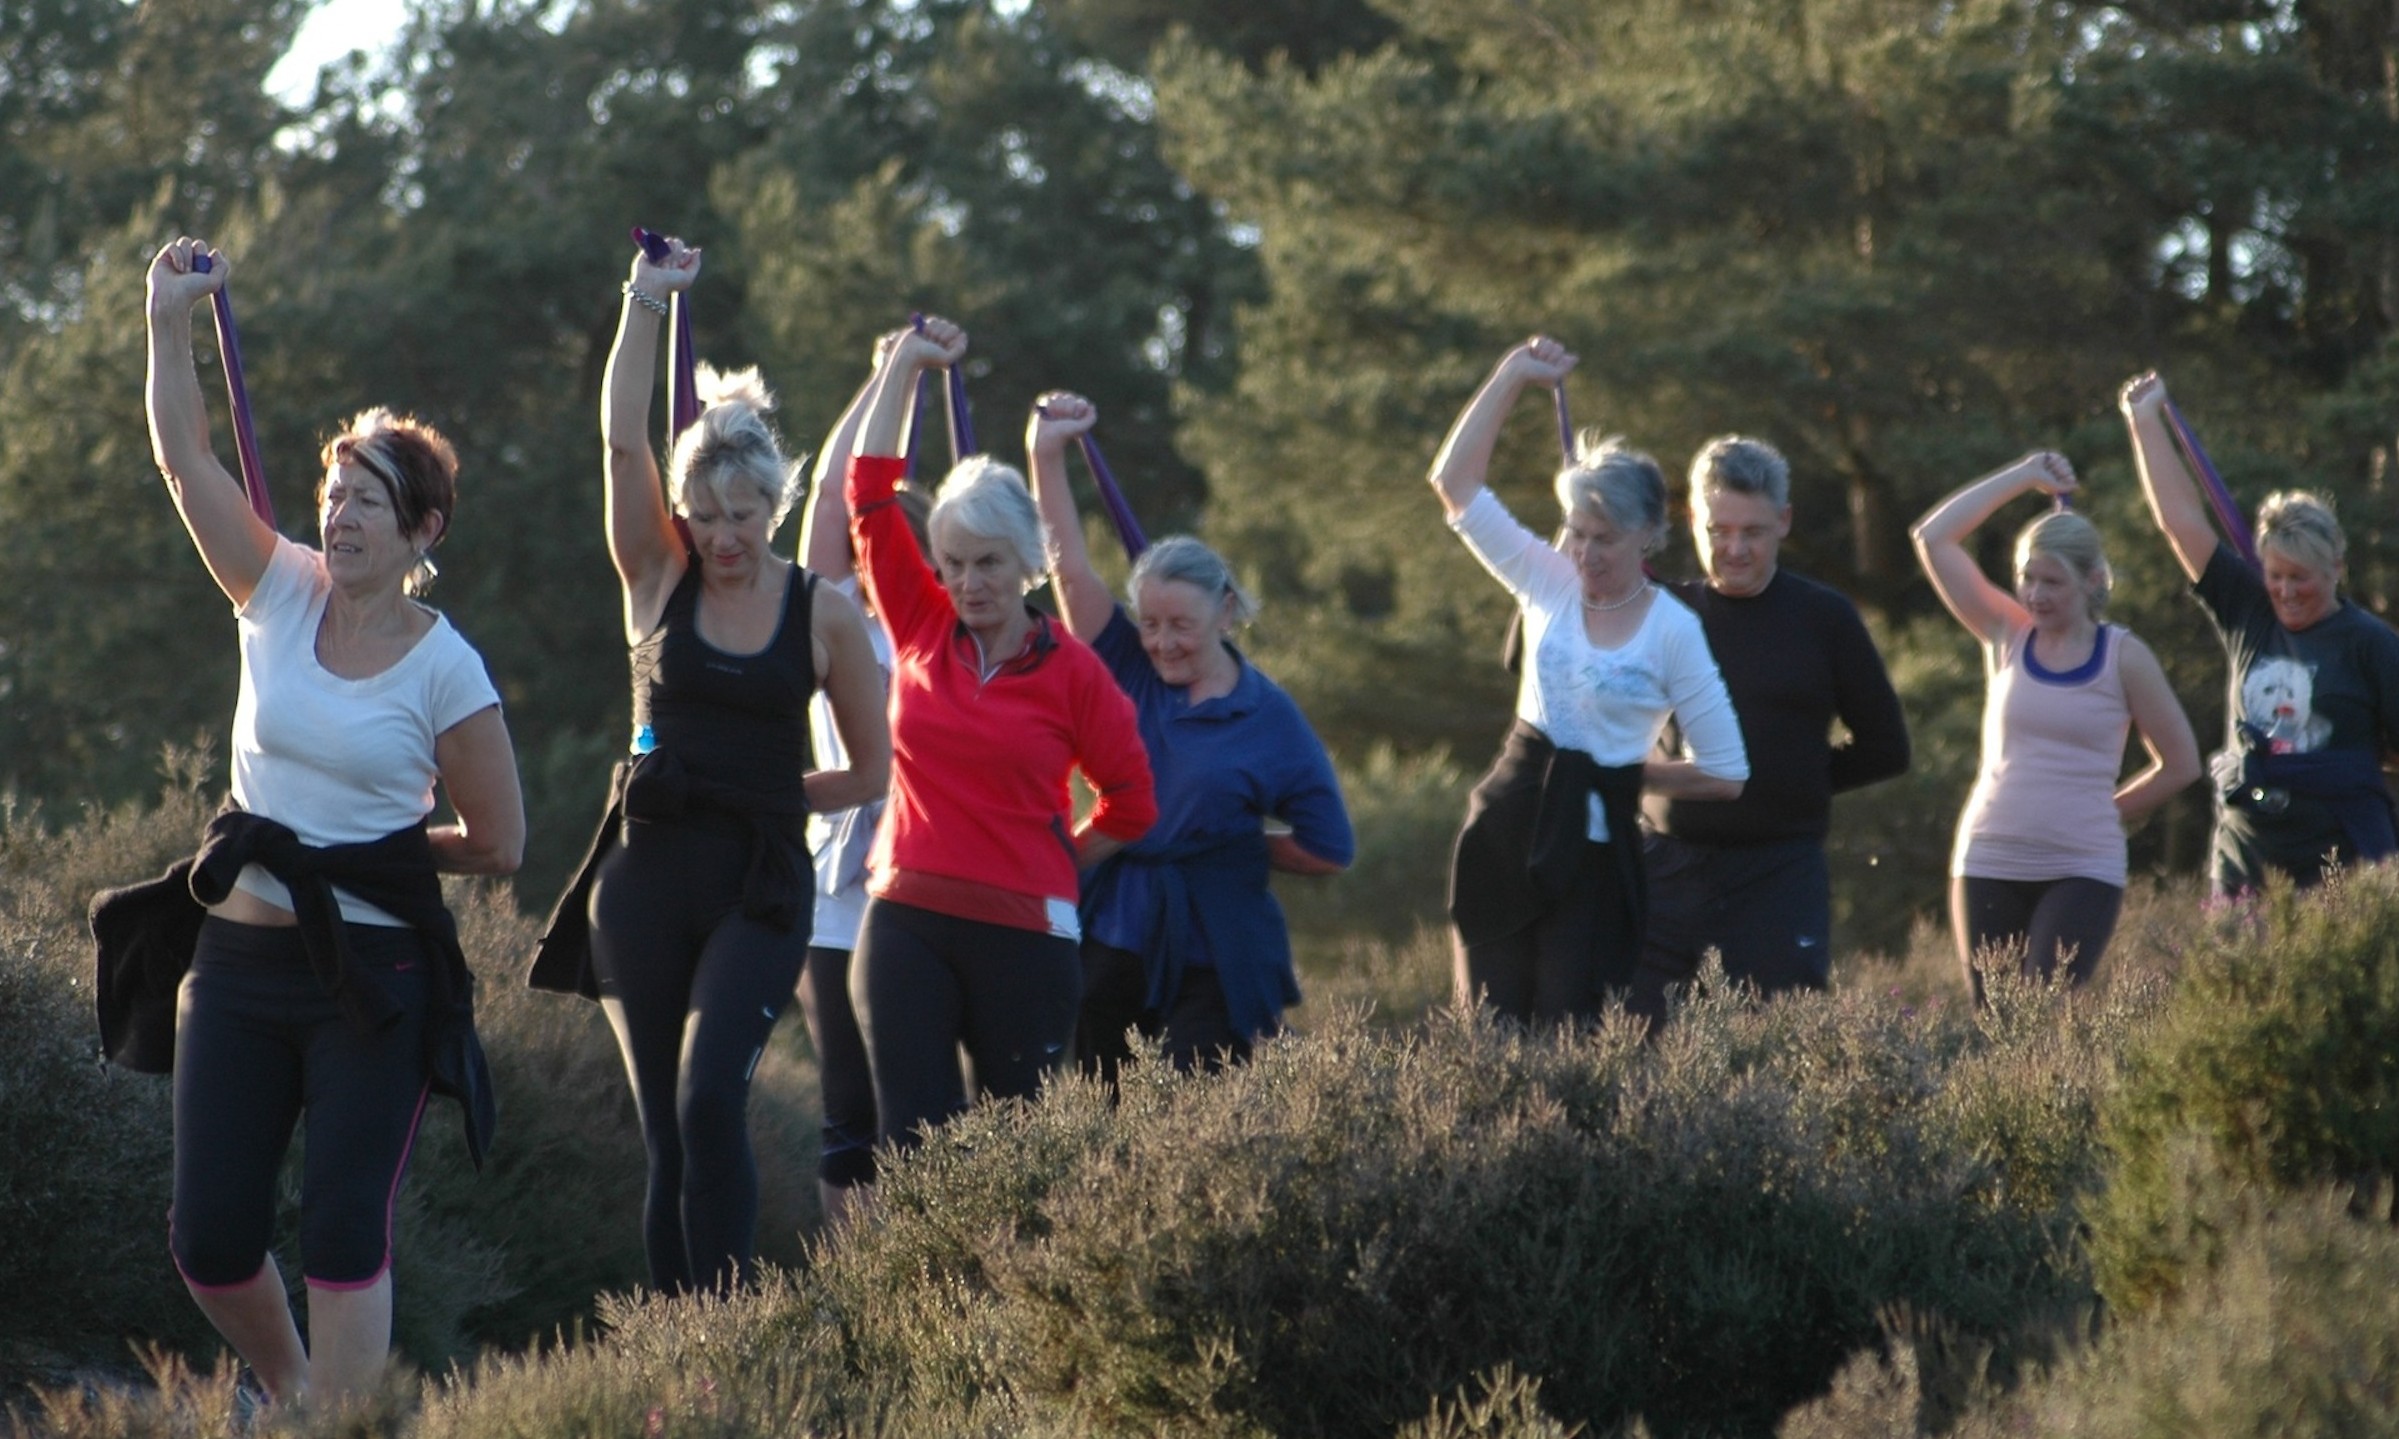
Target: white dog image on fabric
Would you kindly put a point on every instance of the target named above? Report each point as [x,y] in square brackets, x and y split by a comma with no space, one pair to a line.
[2278,696]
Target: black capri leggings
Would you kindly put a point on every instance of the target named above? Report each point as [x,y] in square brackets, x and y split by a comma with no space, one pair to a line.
[260,1047]
[925,983]
[692,989]
[2056,920]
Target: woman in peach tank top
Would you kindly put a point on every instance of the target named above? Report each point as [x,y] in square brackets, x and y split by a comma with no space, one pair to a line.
[2037,874]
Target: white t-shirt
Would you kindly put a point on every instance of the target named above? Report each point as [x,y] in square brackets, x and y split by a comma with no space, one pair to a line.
[840,841]
[338,761]
[1609,703]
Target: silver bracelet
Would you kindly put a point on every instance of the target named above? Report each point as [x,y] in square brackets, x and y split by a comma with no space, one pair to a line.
[645,299]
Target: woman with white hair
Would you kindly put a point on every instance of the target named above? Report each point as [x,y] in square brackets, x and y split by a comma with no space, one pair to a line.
[690,920]
[1546,888]
[1182,938]
[2313,702]
[2039,859]
[970,940]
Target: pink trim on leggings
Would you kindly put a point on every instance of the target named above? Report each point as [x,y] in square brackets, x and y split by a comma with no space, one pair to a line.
[391,1201]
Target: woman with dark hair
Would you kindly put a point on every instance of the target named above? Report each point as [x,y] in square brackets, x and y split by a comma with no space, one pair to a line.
[970,939]
[2039,859]
[1546,888]
[326,988]
[690,920]
[1182,938]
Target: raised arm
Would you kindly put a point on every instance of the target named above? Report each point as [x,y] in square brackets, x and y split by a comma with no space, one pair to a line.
[1463,465]
[825,529]
[937,345]
[1989,612]
[641,534]
[2168,482]
[232,540]
[2165,732]
[853,681]
[1058,417]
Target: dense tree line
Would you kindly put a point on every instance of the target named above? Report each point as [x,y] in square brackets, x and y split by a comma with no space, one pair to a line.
[1277,243]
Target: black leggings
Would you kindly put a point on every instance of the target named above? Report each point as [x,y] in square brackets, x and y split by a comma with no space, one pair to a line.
[260,1047]
[847,1154]
[1563,963]
[2069,920]
[1196,1030]
[925,984]
[692,990]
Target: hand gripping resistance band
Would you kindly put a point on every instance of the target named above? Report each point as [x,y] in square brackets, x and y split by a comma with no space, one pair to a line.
[245,429]
[682,363]
[2219,495]
[1112,496]
[962,418]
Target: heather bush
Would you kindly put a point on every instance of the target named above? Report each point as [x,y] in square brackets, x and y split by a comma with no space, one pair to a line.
[83,1145]
[2275,1062]
[2294,1332]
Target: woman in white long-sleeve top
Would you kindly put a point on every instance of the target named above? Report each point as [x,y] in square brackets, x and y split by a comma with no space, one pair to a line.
[1546,890]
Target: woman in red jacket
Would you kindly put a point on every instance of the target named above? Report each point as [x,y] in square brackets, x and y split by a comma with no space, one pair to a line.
[970,938]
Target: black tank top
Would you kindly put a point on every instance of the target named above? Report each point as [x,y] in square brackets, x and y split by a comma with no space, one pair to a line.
[734,719]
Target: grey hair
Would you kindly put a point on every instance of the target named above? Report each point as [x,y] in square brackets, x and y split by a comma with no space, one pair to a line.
[1618,481]
[989,500]
[732,445]
[2300,525]
[1184,559]
[2074,542]
[1742,466]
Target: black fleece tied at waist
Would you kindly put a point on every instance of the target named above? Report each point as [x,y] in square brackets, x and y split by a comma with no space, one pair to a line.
[778,889]
[147,933]
[1526,825]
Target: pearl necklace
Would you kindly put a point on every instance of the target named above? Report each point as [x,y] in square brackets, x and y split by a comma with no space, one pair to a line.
[1600,609]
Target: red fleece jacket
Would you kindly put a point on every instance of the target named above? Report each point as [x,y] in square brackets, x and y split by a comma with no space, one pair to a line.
[979,821]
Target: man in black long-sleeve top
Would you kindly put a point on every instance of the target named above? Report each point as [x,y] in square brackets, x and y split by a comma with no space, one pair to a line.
[1748,877]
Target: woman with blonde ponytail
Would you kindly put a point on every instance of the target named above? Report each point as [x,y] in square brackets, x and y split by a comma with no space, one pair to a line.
[690,919]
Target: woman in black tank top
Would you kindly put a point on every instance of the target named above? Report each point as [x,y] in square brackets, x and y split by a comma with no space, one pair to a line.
[690,920]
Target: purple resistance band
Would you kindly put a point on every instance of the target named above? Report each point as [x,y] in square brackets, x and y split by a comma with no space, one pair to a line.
[1112,496]
[962,418]
[245,429]
[682,364]
[2219,495]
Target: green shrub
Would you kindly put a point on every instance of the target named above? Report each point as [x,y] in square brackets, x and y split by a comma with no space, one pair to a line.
[2276,1061]
[2295,1332]
[84,1149]
[1318,1243]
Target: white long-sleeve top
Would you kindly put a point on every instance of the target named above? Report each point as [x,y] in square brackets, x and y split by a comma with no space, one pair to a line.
[1611,704]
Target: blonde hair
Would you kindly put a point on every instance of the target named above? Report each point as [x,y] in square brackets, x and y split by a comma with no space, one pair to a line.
[2074,542]
[732,444]
[2300,525]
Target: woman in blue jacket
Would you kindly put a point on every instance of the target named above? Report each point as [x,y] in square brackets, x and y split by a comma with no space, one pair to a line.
[1182,938]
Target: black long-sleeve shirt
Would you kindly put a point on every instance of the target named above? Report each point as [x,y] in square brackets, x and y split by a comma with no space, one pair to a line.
[1795,657]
